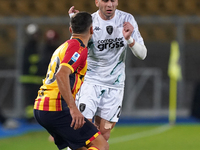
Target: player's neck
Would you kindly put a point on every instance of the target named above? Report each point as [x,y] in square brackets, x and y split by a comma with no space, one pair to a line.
[84,38]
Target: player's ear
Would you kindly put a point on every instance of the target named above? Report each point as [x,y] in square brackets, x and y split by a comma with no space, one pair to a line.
[70,29]
[97,3]
[91,30]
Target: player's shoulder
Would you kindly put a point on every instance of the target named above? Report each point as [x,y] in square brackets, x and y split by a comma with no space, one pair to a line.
[71,42]
[123,14]
[94,15]
[76,42]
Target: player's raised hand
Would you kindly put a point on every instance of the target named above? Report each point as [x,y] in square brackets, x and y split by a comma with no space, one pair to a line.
[72,10]
[127,30]
[78,119]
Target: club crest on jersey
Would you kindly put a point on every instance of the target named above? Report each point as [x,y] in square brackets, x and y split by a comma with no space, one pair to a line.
[75,56]
[82,107]
[109,29]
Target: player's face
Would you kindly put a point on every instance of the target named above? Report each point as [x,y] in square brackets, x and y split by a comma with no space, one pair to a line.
[107,8]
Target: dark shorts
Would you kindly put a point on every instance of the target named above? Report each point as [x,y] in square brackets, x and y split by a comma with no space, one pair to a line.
[58,125]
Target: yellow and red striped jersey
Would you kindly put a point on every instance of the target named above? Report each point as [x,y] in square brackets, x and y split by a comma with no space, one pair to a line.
[73,54]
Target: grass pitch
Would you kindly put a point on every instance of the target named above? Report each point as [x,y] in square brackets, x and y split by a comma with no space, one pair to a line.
[144,137]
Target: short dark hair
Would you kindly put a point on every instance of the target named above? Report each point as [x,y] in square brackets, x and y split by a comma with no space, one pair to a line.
[81,22]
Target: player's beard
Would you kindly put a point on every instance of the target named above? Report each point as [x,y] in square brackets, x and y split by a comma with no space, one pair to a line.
[107,14]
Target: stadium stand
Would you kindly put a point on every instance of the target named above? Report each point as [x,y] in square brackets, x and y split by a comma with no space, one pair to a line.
[51,8]
[193,32]
[136,7]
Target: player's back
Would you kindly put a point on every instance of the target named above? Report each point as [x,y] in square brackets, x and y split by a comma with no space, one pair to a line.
[73,54]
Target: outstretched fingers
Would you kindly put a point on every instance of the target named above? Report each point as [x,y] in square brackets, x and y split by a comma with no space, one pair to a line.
[72,10]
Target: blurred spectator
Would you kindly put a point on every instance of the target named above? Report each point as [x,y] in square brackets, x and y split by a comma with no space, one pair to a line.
[50,45]
[31,77]
[195,112]
[8,123]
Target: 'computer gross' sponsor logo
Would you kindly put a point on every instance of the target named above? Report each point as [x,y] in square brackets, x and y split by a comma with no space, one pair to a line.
[110,43]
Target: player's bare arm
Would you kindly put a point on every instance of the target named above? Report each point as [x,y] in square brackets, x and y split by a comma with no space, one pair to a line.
[138,50]
[62,77]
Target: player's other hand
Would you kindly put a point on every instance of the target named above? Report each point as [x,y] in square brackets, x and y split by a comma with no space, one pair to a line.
[72,10]
[78,119]
[127,30]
